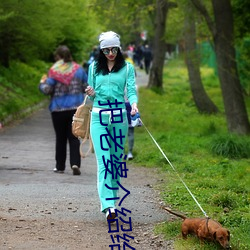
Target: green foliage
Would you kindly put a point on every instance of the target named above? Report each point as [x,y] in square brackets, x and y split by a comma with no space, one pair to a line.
[128,18]
[19,87]
[29,33]
[241,17]
[176,18]
[243,59]
[175,25]
[219,183]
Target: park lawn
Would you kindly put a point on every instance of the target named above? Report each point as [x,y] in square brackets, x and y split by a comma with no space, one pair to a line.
[193,143]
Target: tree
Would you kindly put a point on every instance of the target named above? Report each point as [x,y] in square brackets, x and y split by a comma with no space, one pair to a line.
[201,99]
[126,17]
[223,38]
[159,46]
[28,33]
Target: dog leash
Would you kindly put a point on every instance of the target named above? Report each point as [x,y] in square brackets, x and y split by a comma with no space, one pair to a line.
[174,170]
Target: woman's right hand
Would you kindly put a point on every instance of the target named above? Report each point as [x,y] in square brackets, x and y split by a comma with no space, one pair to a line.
[134,109]
[90,91]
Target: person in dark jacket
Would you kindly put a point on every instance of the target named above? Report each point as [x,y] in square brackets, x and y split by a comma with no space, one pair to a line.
[147,54]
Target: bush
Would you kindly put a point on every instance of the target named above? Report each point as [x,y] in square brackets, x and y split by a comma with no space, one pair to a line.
[231,146]
[224,200]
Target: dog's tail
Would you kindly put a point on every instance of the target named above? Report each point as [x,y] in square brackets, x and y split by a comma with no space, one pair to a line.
[175,213]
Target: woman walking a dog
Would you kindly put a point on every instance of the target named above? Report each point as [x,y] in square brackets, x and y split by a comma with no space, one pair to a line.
[108,78]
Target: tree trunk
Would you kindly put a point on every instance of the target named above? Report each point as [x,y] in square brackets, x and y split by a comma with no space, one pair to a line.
[235,109]
[223,38]
[201,99]
[159,47]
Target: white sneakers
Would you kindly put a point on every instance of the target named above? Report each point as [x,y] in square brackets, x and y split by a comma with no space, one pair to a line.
[130,156]
[110,214]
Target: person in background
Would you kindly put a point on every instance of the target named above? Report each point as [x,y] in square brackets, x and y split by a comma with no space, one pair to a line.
[130,132]
[92,57]
[93,54]
[128,108]
[138,56]
[108,78]
[147,54]
[65,83]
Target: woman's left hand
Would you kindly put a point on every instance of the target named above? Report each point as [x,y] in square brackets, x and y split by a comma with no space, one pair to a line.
[90,91]
[134,109]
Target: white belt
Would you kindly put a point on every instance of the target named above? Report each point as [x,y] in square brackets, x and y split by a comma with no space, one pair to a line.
[115,112]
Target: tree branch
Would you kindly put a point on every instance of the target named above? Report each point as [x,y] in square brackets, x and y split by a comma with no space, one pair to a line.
[202,9]
[172,5]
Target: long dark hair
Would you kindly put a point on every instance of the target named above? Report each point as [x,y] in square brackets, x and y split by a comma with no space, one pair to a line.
[101,63]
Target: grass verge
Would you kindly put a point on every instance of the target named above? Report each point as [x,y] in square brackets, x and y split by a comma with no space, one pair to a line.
[214,164]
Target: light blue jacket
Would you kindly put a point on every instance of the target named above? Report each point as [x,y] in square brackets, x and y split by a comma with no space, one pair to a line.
[112,86]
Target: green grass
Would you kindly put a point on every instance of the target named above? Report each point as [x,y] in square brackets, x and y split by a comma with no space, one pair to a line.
[214,164]
[19,88]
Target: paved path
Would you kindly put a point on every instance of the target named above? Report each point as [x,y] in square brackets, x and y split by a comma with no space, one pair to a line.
[30,190]
[141,78]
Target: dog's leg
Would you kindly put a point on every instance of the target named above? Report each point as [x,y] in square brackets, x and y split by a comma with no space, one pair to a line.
[184,235]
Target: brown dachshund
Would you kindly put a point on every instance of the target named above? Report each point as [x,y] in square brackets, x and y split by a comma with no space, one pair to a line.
[204,229]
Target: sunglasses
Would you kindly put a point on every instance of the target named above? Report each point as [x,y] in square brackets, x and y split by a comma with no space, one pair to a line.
[106,51]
